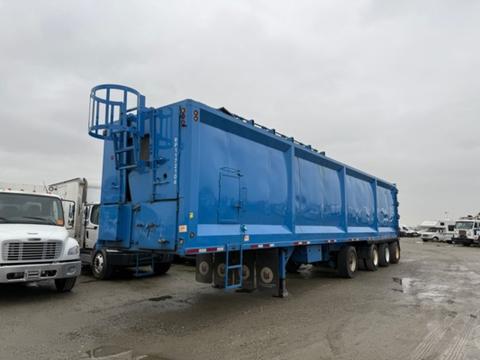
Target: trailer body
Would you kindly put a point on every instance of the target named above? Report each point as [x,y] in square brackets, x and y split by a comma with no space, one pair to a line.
[191,179]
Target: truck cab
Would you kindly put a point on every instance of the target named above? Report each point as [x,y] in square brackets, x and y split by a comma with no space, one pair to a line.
[34,242]
[467,231]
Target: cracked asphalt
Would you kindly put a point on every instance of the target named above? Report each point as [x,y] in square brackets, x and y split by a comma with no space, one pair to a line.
[426,307]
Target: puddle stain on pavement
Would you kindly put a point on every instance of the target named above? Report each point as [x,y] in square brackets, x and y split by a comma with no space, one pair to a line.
[117,353]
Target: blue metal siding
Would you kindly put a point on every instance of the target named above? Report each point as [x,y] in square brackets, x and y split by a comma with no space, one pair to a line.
[249,181]
[211,179]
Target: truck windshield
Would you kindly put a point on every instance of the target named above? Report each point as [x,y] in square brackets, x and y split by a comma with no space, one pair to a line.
[30,209]
[463,225]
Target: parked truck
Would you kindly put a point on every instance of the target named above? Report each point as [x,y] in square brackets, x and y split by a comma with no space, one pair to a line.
[467,230]
[86,197]
[34,242]
[249,202]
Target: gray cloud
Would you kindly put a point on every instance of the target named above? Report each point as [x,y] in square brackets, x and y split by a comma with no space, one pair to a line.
[389,87]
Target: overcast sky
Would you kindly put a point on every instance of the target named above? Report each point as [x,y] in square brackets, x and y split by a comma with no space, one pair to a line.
[390,87]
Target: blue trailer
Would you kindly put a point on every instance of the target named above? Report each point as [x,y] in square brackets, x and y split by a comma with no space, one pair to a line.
[249,202]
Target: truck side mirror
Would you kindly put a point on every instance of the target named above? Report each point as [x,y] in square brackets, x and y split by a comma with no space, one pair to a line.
[69,210]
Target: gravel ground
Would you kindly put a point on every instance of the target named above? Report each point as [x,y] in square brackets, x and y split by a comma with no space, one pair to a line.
[426,307]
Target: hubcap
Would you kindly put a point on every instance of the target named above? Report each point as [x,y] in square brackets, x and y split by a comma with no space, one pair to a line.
[397,253]
[98,263]
[387,254]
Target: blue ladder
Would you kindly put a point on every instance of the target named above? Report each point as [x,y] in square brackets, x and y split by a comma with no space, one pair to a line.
[125,145]
[229,267]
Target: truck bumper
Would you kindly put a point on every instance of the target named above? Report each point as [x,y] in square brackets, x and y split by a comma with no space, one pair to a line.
[464,240]
[38,272]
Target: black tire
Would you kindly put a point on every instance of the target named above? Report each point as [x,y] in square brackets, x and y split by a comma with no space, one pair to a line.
[383,255]
[101,268]
[424,240]
[161,268]
[371,258]
[347,262]
[65,285]
[466,243]
[394,248]
[292,267]
[435,238]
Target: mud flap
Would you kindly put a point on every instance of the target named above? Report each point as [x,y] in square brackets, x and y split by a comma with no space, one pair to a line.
[267,269]
[249,281]
[219,270]
[204,268]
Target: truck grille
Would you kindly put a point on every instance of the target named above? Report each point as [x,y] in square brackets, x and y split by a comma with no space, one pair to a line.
[27,251]
[462,233]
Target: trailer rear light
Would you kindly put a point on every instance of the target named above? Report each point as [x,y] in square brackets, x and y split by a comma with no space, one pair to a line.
[262,246]
[297,243]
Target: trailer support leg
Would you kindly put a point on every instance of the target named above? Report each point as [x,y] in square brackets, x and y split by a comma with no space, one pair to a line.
[283,255]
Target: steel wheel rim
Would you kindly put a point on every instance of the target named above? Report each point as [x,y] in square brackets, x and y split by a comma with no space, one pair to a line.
[352,263]
[98,263]
[375,256]
[387,254]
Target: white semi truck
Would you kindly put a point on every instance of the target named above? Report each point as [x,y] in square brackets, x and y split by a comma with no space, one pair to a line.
[85,219]
[34,242]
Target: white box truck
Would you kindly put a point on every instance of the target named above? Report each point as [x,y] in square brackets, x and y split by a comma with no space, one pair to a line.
[34,242]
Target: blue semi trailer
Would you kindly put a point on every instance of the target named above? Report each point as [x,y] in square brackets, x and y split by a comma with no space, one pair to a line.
[249,203]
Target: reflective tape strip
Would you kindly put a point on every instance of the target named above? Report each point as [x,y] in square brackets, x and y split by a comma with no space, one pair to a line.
[203,250]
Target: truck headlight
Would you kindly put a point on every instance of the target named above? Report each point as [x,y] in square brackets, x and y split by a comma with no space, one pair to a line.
[74,250]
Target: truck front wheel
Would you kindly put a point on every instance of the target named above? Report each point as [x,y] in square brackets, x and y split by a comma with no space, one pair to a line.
[65,285]
[101,268]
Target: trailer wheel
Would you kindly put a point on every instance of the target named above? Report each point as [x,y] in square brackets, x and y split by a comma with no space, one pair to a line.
[292,267]
[161,268]
[383,255]
[466,243]
[371,260]
[65,285]
[394,248]
[101,269]
[347,262]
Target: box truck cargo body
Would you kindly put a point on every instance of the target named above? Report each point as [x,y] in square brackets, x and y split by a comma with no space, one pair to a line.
[247,200]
